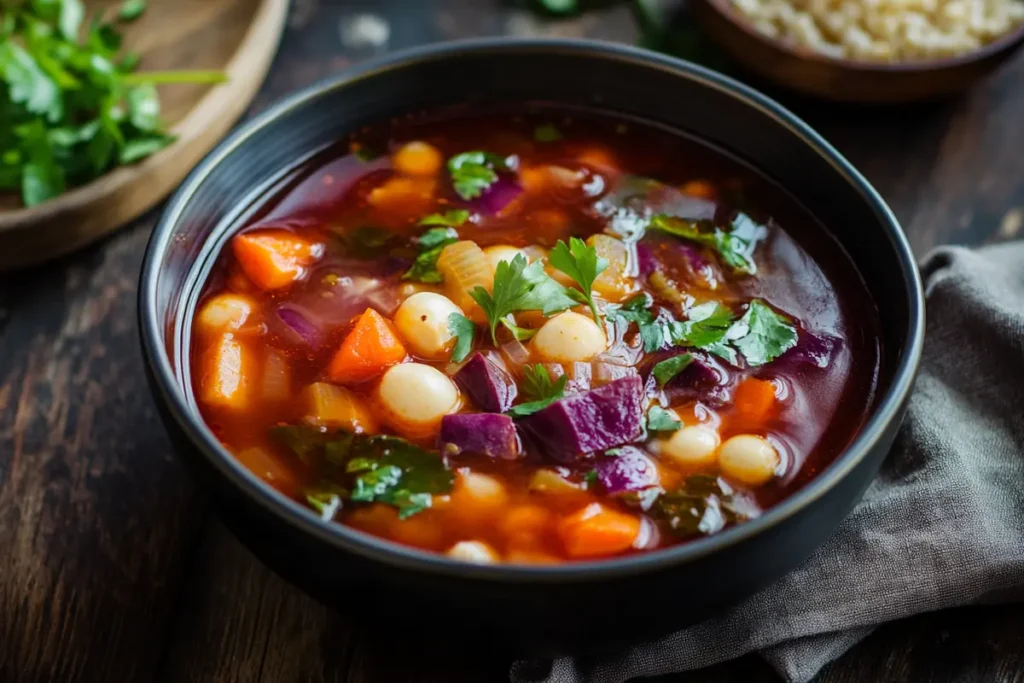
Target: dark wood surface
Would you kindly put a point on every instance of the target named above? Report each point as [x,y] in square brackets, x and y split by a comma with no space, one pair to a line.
[113,568]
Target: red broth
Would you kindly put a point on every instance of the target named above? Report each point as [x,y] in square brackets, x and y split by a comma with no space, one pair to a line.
[735,354]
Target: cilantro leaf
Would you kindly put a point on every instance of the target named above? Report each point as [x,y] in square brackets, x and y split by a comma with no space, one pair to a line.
[27,84]
[667,369]
[520,287]
[537,385]
[762,335]
[453,218]
[546,133]
[143,107]
[582,264]
[661,420]
[463,330]
[734,247]
[702,505]
[653,333]
[140,148]
[326,498]
[368,241]
[474,172]
[432,243]
[705,328]
[71,14]
[131,10]
[402,474]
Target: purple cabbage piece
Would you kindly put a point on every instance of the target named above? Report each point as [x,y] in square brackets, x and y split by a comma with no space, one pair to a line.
[596,420]
[812,348]
[629,469]
[487,385]
[490,434]
[500,194]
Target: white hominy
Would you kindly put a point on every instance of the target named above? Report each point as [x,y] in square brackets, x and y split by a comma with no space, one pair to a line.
[885,30]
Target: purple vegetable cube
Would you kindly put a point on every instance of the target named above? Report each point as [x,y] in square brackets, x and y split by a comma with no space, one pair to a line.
[705,379]
[489,386]
[595,420]
[629,469]
[490,434]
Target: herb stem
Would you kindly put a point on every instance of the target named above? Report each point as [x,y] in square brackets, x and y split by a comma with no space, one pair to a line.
[169,77]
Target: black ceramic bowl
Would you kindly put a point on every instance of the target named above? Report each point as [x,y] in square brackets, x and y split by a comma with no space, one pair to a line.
[556,604]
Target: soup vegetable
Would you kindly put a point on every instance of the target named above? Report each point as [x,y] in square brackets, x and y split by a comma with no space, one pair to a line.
[533,336]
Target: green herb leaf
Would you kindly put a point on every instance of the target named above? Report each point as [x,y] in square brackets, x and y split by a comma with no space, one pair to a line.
[143,107]
[705,328]
[546,133]
[519,286]
[140,148]
[453,218]
[653,333]
[464,331]
[590,479]
[431,243]
[560,6]
[583,265]
[27,84]
[538,387]
[71,14]
[131,10]
[326,498]
[661,420]
[702,505]
[762,335]
[474,172]
[734,247]
[369,241]
[667,369]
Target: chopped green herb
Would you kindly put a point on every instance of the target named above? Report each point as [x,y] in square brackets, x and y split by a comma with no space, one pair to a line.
[734,247]
[474,172]
[519,286]
[559,6]
[762,335]
[305,442]
[463,329]
[326,498]
[661,420]
[705,328]
[453,218]
[667,369]
[431,244]
[702,505]
[131,10]
[70,106]
[583,265]
[538,387]
[546,133]
[369,241]
[635,310]
[612,452]
[590,479]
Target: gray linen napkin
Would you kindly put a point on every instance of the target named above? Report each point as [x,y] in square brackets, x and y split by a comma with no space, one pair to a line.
[943,524]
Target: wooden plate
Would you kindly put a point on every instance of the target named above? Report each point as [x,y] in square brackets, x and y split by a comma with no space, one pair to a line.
[237,36]
[845,80]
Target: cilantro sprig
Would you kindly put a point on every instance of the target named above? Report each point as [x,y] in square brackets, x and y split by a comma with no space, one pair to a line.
[735,247]
[583,265]
[667,369]
[519,286]
[762,335]
[71,105]
[661,420]
[474,172]
[464,331]
[432,242]
[538,386]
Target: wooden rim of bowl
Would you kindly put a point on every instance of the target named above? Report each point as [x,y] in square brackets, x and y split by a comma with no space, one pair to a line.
[245,71]
[1005,42]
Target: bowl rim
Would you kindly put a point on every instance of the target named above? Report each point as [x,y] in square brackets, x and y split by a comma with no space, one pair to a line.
[1005,43]
[304,521]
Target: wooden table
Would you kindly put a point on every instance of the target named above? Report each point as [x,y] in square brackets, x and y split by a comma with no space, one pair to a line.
[114,570]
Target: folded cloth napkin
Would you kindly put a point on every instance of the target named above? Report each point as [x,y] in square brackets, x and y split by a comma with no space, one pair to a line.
[943,524]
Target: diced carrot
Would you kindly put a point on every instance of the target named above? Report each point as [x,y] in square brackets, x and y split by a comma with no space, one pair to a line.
[755,400]
[274,259]
[554,223]
[227,374]
[422,531]
[600,158]
[329,405]
[418,159]
[369,349]
[596,531]
[699,188]
[525,519]
[270,469]
[404,195]
[375,519]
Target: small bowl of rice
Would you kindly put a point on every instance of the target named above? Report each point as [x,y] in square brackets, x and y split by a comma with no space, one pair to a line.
[867,50]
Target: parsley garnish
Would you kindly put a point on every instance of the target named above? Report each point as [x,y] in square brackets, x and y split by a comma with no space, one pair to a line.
[131,10]
[705,328]
[474,172]
[590,479]
[546,133]
[431,244]
[537,385]
[453,218]
[636,310]
[583,265]
[702,505]
[661,420]
[71,107]
[464,330]
[667,369]
[762,335]
[519,286]
[734,247]
[326,498]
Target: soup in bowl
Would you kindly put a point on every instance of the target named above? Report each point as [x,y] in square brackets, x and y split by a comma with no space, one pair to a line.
[615,338]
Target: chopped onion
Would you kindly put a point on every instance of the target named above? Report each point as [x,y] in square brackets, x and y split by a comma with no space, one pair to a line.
[515,354]
[277,378]
[498,196]
[300,325]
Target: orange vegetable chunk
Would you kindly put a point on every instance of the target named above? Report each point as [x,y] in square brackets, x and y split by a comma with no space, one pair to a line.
[270,469]
[755,400]
[418,159]
[227,374]
[329,405]
[369,349]
[597,531]
[274,259]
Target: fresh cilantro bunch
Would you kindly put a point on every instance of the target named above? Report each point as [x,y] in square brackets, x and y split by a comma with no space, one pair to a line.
[72,105]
